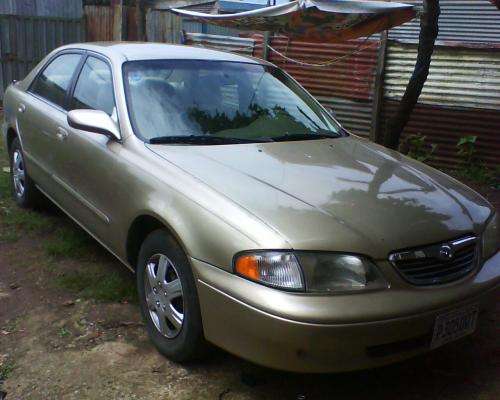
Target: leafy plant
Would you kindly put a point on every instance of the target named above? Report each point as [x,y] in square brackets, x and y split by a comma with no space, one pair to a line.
[6,367]
[63,332]
[467,149]
[414,146]
[472,167]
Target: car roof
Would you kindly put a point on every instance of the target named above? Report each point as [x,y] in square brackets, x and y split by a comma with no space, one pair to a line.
[134,51]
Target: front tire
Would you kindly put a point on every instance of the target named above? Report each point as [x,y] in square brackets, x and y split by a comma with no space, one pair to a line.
[24,191]
[168,298]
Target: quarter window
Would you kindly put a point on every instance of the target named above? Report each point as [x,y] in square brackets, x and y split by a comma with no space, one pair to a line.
[94,89]
[53,83]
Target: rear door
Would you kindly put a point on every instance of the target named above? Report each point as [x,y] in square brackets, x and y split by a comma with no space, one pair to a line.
[40,113]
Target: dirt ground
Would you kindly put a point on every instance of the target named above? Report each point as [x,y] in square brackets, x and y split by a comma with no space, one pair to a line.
[62,336]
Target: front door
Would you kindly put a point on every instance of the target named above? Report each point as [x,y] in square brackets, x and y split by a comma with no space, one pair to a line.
[40,113]
[90,166]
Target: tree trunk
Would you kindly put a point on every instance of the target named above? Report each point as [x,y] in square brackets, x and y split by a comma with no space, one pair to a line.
[428,33]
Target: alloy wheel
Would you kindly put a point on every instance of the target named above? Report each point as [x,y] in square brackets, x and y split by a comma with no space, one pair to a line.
[164,295]
[18,173]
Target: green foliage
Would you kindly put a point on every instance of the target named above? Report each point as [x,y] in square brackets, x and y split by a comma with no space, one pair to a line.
[63,332]
[99,284]
[415,147]
[472,168]
[6,367]
[4,182]
[14,221]
[69,242]
[467,148]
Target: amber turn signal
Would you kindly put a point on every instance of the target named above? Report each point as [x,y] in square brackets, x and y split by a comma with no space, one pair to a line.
[248,266]
[270,268]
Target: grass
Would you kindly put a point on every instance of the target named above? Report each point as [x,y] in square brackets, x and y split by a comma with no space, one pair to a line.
[63,332]
[100,284]
[6,368]
[70,242]
[14,221]
[62,240]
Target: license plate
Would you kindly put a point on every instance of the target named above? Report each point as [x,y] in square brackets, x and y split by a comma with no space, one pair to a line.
[454,325]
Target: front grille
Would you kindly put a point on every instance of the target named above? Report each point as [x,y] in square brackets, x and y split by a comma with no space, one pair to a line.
[437,264]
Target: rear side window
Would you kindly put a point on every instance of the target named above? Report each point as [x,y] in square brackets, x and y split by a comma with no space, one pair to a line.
[55,79]
[94,88]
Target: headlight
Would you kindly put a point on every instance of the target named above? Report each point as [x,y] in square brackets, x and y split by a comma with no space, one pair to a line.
[332,272]
[491,237]
[310,272]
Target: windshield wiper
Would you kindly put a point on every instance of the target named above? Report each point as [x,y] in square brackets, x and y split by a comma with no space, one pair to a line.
[200,139]
[301,136]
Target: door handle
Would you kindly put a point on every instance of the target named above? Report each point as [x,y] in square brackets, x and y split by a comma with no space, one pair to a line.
[21,108]
[62,134]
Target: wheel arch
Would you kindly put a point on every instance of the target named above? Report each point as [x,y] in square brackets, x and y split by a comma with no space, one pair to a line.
[11,135]
[141,226]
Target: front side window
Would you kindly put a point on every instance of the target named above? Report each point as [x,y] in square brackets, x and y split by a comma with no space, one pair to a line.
[53,83]
[94,88]
[218,99]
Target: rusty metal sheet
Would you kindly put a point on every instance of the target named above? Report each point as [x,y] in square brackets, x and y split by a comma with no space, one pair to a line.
[351,77]
[233,44]
[460,77]
[444,126]
[355,116]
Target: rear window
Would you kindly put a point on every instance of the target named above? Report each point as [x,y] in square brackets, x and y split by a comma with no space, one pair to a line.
[53,83]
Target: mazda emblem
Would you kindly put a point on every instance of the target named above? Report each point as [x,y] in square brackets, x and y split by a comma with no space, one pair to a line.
[446,252]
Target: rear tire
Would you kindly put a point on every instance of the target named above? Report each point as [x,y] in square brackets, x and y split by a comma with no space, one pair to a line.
[23,188]
[168,298]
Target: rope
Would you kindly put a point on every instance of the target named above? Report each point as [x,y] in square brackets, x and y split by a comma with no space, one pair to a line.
[358,49]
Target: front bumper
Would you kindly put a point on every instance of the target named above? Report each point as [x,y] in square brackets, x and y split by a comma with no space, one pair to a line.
[305,333]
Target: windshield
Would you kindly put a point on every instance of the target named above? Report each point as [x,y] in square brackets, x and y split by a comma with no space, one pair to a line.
[218,101]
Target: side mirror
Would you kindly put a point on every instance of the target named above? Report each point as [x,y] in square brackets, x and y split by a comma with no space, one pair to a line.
[94,121]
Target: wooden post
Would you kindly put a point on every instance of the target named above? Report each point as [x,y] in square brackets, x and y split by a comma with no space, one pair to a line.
[118,20]
[265,42]
[140,17]
[378,89]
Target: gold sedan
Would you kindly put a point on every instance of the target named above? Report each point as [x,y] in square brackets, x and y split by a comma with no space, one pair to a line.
[251,218]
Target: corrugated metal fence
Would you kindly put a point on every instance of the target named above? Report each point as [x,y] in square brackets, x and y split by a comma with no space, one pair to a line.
[24,41]
[460,21]
[99,23]
[459,77]
[162,26]
[233,44]
[42,8]
[462,94]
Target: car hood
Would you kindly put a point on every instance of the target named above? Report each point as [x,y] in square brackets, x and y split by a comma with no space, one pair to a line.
[344,194]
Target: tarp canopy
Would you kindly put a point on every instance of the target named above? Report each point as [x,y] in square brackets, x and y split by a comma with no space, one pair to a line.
[315,20]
